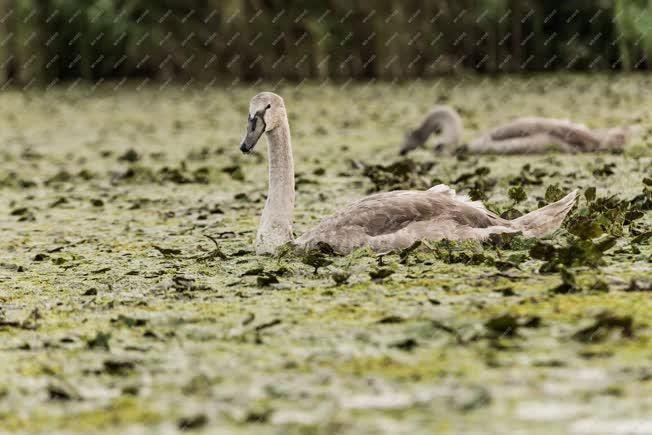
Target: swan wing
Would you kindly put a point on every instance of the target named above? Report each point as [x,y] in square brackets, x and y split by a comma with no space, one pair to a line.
[406,213]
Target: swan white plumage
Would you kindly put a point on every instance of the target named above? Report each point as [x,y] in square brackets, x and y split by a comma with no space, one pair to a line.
[384,221]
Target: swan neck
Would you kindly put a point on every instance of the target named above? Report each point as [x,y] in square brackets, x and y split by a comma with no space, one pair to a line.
[277,219]
[447,122]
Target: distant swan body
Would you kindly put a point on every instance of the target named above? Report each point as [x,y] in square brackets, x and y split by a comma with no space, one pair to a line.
[384,221]
[522,135]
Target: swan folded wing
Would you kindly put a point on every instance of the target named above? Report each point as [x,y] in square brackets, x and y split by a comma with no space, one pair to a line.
[522,127]
[564,131]
[395,220]
[534,143]
[579,137]
[389,212]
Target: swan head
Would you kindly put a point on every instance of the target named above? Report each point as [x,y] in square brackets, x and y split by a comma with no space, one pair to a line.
[411,142]
[443,120]
[266,112]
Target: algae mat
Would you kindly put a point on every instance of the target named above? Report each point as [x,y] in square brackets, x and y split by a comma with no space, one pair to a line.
[131,300]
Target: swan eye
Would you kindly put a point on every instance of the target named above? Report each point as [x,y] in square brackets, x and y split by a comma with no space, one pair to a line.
[269,106]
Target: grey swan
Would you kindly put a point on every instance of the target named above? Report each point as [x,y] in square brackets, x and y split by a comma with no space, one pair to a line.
[384,221]
[525,135]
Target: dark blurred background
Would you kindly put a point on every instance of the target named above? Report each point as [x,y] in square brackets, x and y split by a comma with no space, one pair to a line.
[46,41]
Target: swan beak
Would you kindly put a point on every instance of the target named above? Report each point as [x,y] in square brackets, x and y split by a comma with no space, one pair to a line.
[255,129]
[410,143]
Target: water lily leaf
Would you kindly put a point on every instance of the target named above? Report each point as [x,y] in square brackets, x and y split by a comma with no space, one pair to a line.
[604,171]
[517,194]
[130,156]
[391,319]
[380,273]
[505,325]
[509,241]
[317,257]
[119,366]
[266,279]
[235,172]
[586,228]
[407,344]
[554,193]
[528,175]
[543,251]
[340,277]
[604,326]
[590,194]
[60,390]
[22,211]
[128,321]
[192,422]
[168,252]
[511,214]
[100,341]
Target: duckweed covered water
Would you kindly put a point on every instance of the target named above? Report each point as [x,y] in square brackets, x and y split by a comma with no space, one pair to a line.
[131,300]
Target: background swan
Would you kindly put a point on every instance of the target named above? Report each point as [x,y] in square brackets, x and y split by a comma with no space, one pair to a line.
[521,135]
[384,221]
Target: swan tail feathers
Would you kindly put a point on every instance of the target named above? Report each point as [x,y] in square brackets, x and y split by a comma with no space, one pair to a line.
[546,219]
